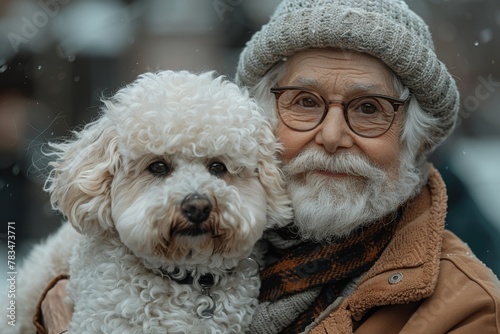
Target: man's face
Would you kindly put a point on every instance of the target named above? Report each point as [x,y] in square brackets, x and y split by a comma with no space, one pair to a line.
[338,179]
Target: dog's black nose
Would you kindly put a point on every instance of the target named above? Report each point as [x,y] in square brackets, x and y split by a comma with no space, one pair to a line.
[196,208]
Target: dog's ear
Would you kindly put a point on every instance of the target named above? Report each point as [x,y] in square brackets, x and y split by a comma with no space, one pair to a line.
[80,181]
[279,205]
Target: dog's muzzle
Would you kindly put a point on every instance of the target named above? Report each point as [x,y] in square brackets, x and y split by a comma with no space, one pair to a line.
[196,208]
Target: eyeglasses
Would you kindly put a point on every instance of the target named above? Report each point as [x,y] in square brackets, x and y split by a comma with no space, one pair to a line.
[302,109]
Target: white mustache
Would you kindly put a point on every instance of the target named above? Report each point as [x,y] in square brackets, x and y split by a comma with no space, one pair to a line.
[343,162]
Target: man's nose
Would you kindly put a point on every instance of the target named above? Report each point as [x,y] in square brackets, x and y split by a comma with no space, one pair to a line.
[334,133]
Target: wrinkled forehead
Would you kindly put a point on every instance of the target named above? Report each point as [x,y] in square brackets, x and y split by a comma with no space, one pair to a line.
[340,71]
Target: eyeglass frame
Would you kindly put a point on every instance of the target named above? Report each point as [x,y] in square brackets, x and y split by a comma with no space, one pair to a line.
[396,104]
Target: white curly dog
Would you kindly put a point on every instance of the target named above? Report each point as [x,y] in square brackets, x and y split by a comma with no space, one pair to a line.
[169,189]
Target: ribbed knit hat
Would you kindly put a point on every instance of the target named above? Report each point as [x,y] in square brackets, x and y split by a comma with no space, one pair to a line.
[385,29]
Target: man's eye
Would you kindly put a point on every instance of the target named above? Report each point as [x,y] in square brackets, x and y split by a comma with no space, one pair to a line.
[160,168]
[308,103]
[217,168]
[368,108]
[307,100]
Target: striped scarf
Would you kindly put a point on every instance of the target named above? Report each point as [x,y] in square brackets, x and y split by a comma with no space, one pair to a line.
[328,266]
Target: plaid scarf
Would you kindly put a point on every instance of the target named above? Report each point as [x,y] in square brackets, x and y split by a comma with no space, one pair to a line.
[329,266]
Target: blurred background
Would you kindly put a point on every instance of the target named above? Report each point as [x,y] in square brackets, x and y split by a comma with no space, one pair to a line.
[59,57]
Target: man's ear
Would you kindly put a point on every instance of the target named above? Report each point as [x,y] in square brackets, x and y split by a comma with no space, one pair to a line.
[80,181]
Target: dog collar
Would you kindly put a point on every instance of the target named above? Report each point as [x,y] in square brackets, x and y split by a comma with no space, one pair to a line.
[206,282]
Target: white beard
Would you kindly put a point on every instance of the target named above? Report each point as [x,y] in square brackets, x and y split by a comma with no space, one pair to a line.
[327,208]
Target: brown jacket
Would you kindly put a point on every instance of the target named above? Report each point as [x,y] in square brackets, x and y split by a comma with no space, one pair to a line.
[426,281]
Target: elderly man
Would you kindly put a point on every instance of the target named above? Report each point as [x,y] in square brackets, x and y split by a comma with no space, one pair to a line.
[359,100]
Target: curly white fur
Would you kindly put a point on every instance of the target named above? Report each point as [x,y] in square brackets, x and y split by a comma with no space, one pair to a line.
[122,182]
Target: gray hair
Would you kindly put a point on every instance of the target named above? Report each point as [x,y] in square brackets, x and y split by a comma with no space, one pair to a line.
[385,29]
[417,127]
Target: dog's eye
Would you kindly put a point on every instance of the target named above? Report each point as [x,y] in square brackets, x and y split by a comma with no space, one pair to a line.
[159,168]
[217,168]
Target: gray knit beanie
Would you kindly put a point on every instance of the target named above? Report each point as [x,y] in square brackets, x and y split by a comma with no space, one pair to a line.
[385,29]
